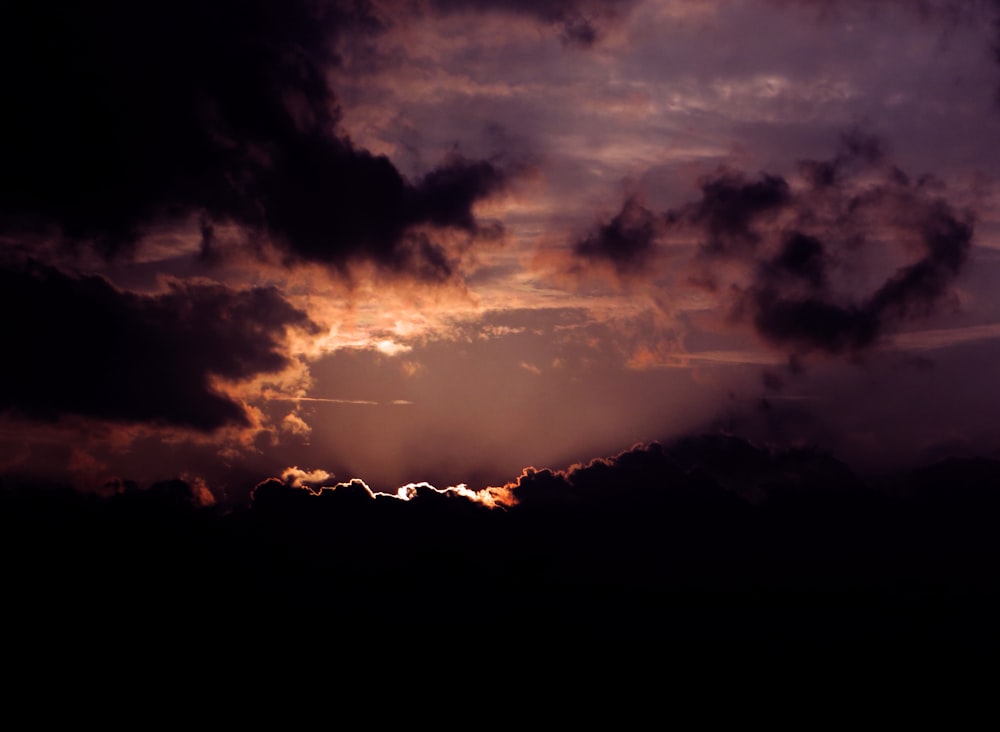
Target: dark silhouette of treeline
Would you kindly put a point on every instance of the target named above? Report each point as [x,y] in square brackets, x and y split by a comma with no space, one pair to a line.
[710,542]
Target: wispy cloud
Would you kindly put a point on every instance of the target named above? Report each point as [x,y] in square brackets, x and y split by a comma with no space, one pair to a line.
[331,400]
[929,340]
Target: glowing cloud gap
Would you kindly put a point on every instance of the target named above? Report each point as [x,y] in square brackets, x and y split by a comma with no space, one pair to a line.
[491,496]
[295,477]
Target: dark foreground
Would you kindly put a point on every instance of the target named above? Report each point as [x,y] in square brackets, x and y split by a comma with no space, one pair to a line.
[652,558]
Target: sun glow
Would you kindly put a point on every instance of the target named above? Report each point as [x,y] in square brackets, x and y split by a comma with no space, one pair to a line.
[315,482]
[491,496]
[391,348]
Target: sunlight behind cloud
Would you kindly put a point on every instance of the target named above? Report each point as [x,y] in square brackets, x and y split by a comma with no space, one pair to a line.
[316,483]
[391,348]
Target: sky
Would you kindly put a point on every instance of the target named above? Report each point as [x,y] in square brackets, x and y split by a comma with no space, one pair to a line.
[443,241]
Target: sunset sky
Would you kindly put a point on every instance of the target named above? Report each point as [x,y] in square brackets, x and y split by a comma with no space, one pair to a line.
[444,240]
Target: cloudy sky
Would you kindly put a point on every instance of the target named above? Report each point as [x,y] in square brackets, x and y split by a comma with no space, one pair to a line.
[443,240]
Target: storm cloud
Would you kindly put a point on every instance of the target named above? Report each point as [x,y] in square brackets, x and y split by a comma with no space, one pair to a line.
[791,300]
[77,346]
[626,241]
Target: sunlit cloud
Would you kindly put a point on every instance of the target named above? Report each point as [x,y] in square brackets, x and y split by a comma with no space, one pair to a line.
[530,368]
[295,477]
[294,424]
[391,348]
[317,483]
[201,493]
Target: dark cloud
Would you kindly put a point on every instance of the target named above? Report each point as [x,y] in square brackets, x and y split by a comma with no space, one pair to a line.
[858,150]
[801,246]
[119,116]
[759,472]
[791,302]
[328,202]
[801,257]
[639,480]
[810,323]
[579,30]
[730,206]
[626,241]
[78,346]
[711,472]
[162,498]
